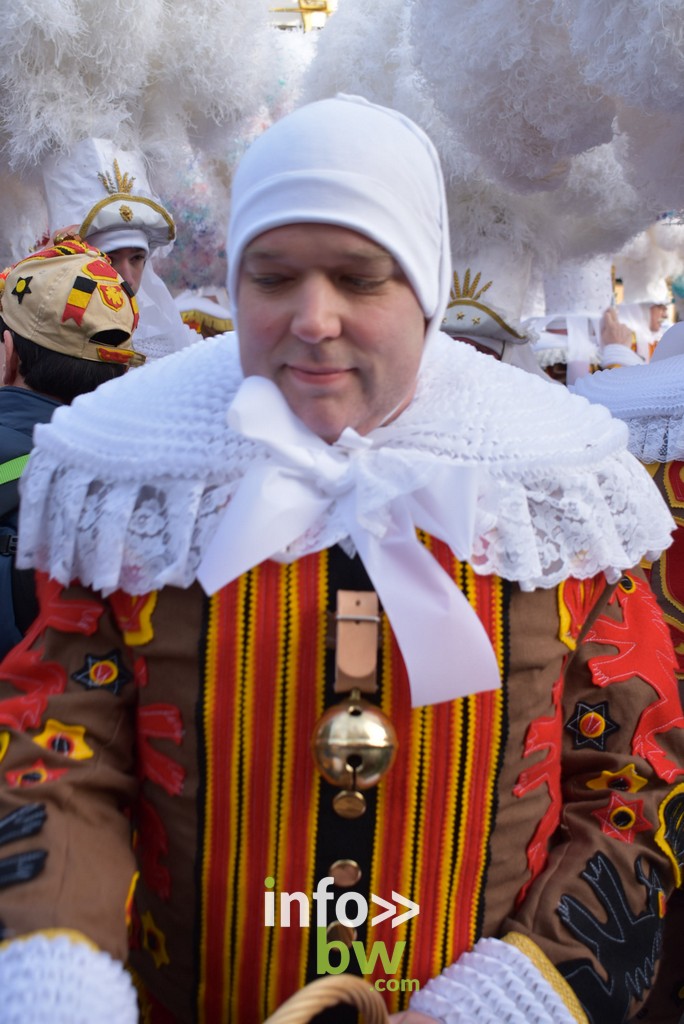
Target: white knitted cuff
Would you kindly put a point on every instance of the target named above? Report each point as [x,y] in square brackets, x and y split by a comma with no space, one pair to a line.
[60,981]
[619,355]
[494,984]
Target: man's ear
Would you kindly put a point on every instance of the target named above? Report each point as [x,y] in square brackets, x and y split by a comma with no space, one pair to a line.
[10,369]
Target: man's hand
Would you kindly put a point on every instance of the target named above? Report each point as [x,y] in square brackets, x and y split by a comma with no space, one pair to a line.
[613,332]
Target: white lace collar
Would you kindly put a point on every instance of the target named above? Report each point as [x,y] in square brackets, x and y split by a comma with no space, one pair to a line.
[125,488]
[649,398]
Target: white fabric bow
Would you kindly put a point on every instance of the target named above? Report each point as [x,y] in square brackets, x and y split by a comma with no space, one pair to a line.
[444,645]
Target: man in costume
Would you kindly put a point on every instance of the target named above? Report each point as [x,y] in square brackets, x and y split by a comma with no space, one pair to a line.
[66,318]
[645,267]
[372,642]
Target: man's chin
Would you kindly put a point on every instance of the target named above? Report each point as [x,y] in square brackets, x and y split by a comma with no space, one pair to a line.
[322,416]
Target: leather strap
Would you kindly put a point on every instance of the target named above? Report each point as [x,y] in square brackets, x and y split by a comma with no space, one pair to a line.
[356,647]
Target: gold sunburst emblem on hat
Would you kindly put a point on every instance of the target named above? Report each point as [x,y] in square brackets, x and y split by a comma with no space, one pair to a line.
[120,183]
[470,289]
[125,213]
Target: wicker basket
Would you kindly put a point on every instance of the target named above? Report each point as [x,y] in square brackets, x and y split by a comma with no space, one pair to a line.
[332,991]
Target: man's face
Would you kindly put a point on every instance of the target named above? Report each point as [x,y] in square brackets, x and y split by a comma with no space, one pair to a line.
[129,263]
[329,317]
[657,315]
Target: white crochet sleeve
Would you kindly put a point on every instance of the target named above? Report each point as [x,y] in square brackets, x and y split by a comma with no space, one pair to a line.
[60,979]
[496,983]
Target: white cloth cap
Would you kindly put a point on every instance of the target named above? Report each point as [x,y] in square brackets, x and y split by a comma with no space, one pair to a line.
[113,239]
[350,163]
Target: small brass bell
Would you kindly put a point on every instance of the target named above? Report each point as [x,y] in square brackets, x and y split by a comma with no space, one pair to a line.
[353,745]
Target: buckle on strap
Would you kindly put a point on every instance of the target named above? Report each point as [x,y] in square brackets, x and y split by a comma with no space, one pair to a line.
[8,544]
[357,621]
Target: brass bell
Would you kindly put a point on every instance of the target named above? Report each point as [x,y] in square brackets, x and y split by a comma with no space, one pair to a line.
[354,744]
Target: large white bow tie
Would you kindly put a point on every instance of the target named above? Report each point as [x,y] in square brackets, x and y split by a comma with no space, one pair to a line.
[444,645]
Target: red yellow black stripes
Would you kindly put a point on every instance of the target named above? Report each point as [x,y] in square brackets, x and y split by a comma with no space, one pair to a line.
[220,822]
[453,754]
[293,784]
[78,299]
[261,803]
[258,634]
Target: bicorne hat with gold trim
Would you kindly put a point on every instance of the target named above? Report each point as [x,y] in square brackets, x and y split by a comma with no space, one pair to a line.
[487,295]
[99,191]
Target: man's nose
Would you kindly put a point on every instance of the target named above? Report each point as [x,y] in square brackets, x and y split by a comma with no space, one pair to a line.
[316,315]
[124,269]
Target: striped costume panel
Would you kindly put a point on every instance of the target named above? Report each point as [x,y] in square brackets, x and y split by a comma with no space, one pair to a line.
[266,812]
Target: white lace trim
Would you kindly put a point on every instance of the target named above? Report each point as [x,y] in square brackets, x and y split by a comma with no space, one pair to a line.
[656,438]
[550,356]
[59,981]
[126,486]
[494,983]
[156,345]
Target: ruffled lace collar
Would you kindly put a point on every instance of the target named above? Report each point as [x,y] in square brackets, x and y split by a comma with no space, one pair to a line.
[650,399]
[126,487]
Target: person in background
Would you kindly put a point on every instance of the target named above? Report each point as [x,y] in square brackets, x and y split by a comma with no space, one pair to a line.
[102,193]
[66,321]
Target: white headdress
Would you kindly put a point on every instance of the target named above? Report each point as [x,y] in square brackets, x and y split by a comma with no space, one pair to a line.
[351,163]
[577,293]
[105,192]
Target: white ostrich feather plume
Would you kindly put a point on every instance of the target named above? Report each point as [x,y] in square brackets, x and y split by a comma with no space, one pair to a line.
[503,71]
[632,50]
